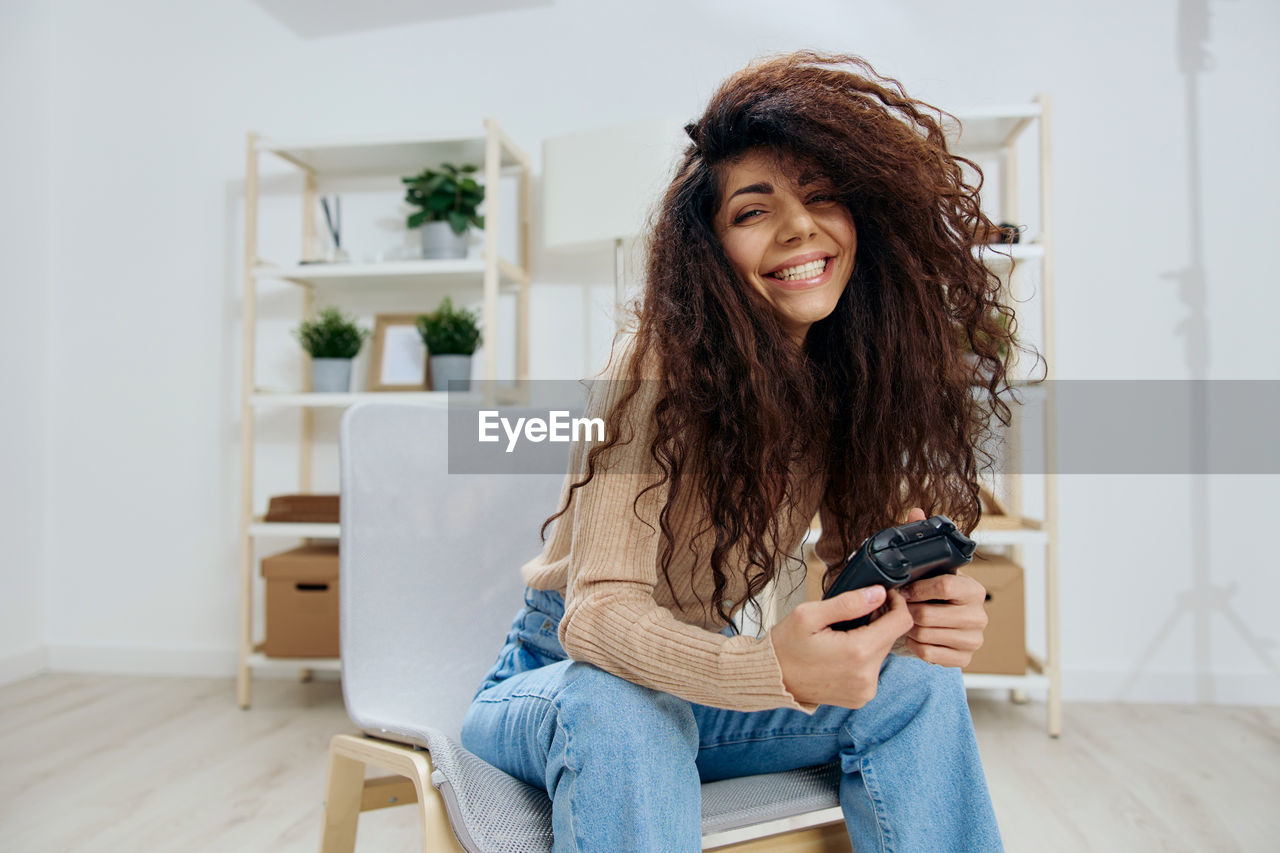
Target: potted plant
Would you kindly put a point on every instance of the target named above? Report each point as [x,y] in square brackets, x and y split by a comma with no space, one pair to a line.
[447,200]
[333,340]
[451,335]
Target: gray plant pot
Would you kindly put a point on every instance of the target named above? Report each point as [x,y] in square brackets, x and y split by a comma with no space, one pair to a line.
[331,375]
[447,367]
[440,241]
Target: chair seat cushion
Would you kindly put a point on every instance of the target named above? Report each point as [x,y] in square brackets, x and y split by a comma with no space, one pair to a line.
[492,812]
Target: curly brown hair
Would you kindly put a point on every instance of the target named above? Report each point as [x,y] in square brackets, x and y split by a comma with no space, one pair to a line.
[881,398]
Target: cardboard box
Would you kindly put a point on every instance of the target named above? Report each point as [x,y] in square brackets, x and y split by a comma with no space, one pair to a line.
[302,602]
[1004,649]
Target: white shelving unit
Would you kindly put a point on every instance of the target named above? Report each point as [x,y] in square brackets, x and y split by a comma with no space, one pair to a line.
[996,135]
[488,276]
[999,136]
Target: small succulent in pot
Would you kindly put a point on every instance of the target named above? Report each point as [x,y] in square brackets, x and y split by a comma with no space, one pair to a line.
[449,330]
[332,339]
[451,336]
[331,334]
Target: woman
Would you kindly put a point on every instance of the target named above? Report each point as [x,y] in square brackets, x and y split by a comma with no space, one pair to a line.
[799,350]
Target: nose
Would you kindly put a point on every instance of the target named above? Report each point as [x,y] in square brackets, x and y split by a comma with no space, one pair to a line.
[796,222]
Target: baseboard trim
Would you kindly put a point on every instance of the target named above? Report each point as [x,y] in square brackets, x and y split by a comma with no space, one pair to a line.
[23,665]
[134,660]
[1262,688]
[188,663]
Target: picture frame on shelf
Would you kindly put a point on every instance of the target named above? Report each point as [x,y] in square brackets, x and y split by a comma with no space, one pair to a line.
[398,359]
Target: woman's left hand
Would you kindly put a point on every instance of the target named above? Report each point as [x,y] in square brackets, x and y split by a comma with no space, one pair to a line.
[949,619]
[949,616]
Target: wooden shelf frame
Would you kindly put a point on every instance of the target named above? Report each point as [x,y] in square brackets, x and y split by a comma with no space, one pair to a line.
[491,274]
[998,131]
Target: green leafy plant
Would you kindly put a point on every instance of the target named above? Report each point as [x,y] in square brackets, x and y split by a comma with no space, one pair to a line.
[450,331]
[331,335]
[445,195]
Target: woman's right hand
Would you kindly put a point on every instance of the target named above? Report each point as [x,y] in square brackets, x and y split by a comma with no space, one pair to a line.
[822,666]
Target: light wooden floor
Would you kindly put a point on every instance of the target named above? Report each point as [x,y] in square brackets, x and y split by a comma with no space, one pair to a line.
[98,763]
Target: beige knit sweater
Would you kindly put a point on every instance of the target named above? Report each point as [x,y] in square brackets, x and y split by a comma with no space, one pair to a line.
[620,613]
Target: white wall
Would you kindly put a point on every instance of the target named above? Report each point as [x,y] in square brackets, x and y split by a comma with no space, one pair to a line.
[24,331]
[149,105]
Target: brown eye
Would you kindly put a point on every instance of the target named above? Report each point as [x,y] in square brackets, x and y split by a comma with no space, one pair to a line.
[745,215]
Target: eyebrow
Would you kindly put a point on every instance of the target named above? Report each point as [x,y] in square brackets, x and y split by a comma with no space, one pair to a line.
[763,187]
[767,188]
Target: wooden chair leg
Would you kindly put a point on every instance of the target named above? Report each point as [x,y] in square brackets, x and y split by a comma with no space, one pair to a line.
[345,798]
[342,802]
[437,835]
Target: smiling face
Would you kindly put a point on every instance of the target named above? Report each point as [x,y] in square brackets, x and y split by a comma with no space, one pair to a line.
[787,236]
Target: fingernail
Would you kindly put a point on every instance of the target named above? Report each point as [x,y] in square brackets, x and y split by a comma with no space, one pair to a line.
[871,593]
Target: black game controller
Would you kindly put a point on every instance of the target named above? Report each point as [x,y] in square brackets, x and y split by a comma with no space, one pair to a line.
[897,556]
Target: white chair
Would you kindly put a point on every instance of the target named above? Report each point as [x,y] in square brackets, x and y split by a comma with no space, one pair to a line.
[429,584]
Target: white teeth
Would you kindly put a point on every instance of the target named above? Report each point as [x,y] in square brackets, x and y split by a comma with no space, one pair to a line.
[801,272]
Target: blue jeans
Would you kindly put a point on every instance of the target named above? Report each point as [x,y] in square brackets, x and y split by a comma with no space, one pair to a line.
[623,763]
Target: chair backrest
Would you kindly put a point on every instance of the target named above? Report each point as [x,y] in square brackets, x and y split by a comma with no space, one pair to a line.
[430,565]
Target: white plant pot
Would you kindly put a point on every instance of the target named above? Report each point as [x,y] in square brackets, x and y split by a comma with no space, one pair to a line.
[440,241]
[331,375]
[450,367]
